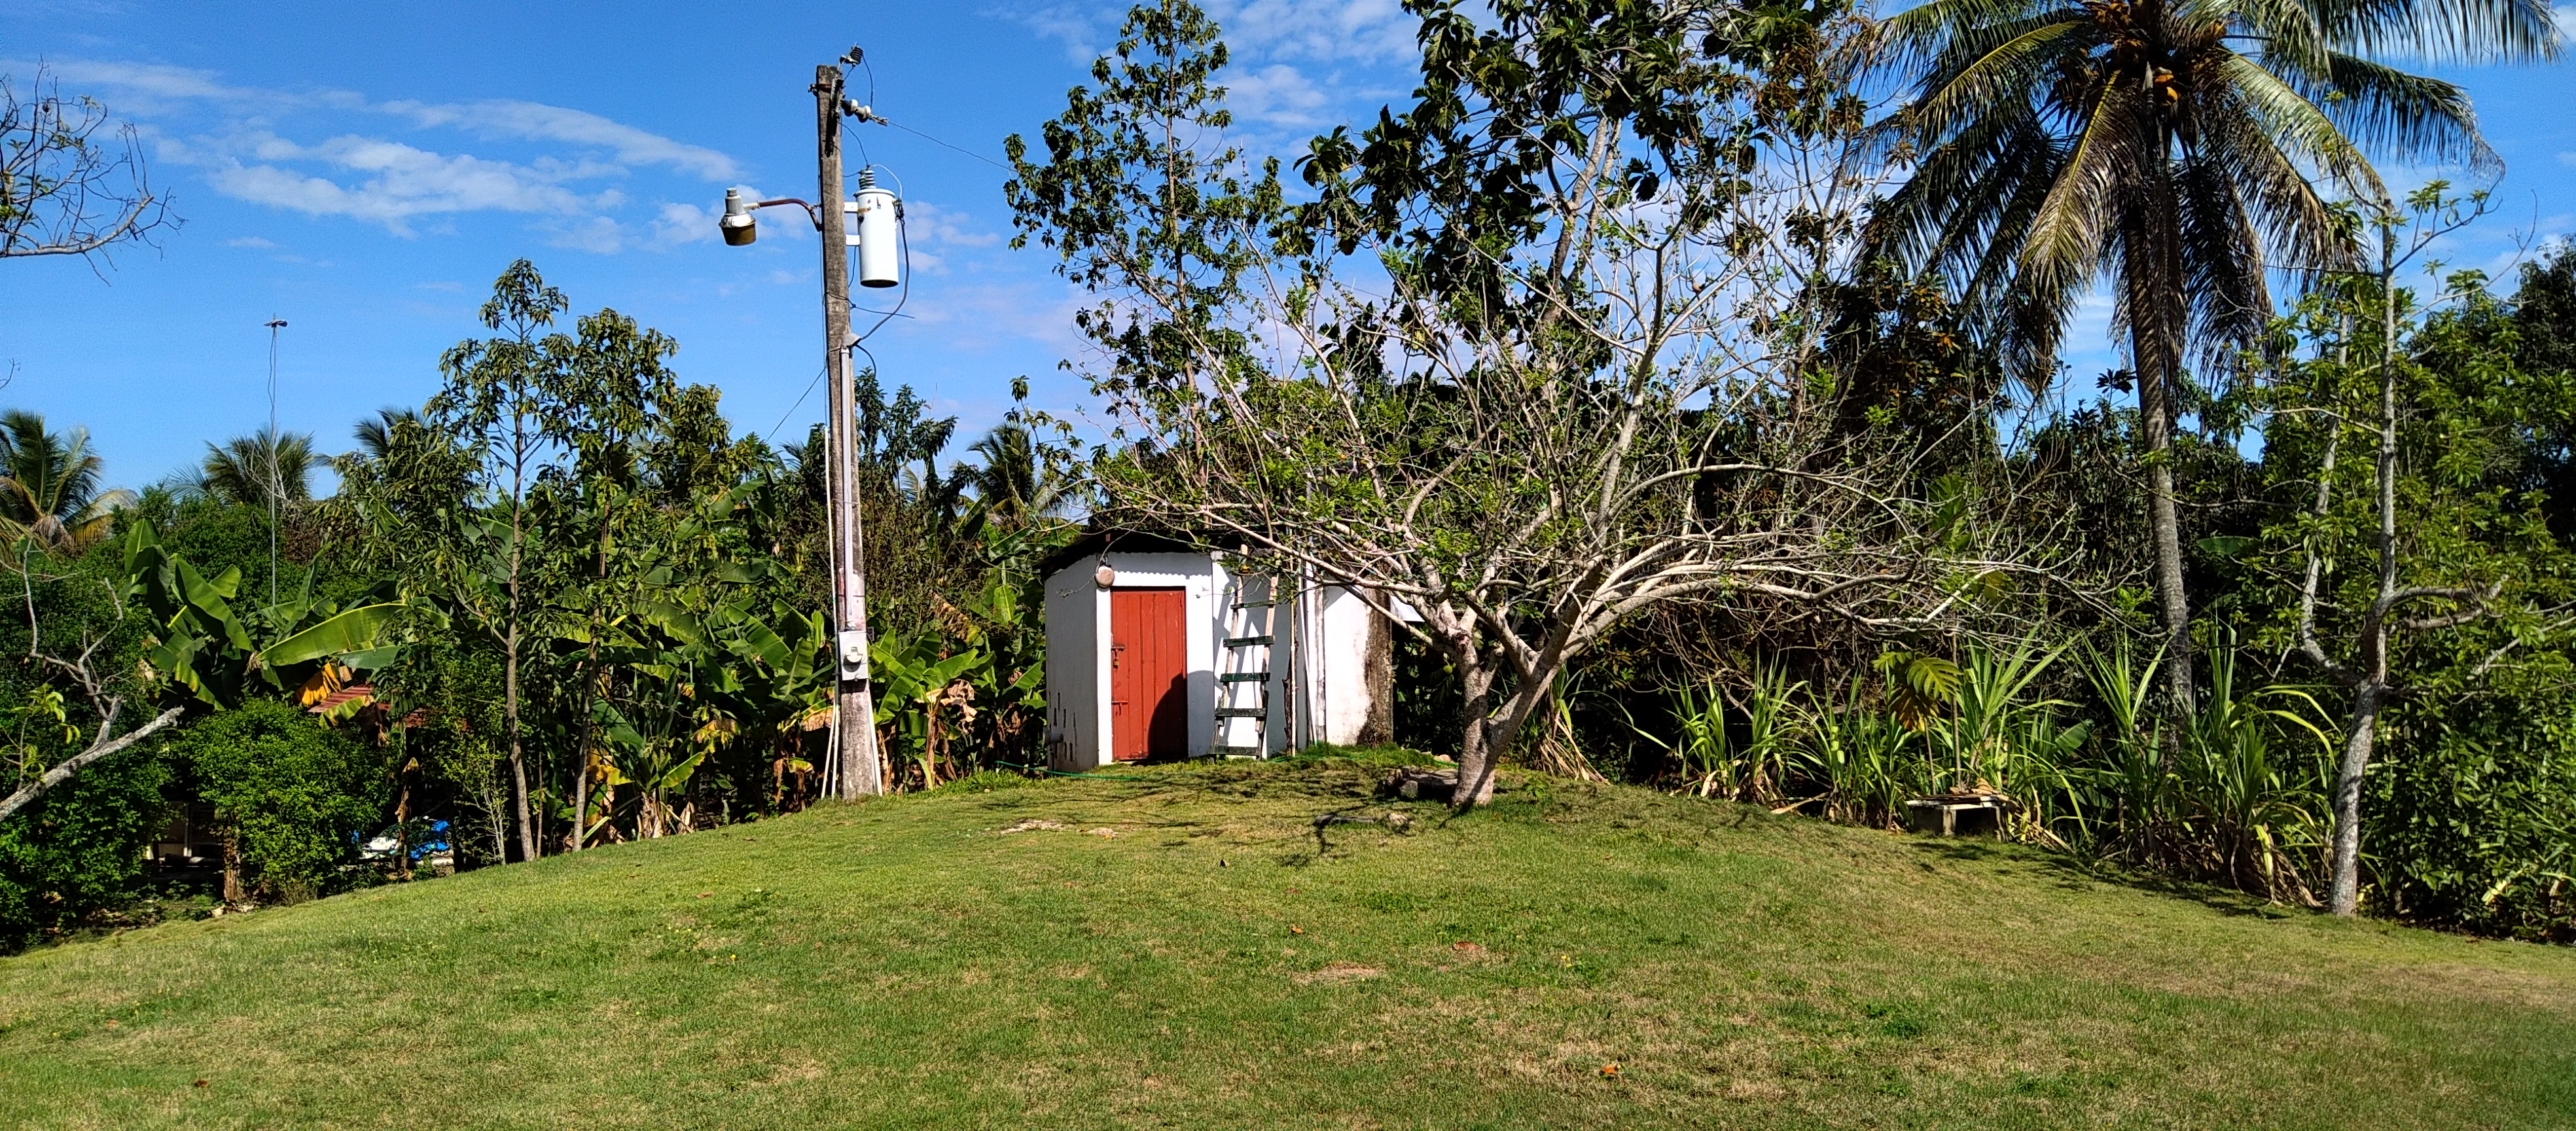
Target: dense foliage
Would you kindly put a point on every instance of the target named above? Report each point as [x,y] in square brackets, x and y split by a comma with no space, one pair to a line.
[568,553]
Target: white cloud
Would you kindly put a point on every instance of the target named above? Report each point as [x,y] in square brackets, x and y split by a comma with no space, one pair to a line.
[245,139]
[928,223]
[1365,31]
[975,318]
[393,182]
[166,84]
[600,235]
[683,224]
[249,241]
[535,121]
[1083,29]
[2566,17]
[1277,95]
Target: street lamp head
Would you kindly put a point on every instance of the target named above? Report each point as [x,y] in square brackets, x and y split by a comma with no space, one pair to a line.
[737,225]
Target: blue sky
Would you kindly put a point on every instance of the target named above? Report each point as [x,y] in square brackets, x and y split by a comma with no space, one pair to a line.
[364,170]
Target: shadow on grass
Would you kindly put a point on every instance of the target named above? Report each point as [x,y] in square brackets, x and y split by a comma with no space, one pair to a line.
[2076,873]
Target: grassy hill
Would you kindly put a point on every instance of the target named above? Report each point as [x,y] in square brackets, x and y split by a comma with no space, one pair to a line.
[1173,947]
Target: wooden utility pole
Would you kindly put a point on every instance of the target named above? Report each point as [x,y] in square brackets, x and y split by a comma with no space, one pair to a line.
[861,771]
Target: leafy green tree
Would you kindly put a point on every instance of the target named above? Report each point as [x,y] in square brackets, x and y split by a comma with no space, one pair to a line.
[1586,387]
[376,437]
[293,796]
[80,782]
[82,850]
[2057,144]
[2544,324]
[2452,546]
[1139,196]
[497,402]
[1016,481]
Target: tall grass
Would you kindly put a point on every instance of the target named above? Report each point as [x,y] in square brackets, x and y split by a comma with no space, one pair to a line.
[2234,795]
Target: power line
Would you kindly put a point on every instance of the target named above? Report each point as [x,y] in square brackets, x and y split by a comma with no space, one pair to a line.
[935,141]
[791,409]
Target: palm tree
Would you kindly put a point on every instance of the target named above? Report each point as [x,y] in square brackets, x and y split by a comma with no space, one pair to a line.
[51,491]
[2175,150]
[376,437]
[1012,484]
[244,469]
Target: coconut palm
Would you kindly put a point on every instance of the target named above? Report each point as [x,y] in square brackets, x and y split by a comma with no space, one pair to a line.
[376,437]
[1012,484]
[51,492]
[244,469]
[2181,151]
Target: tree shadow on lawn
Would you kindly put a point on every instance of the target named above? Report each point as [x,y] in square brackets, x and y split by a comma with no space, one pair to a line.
[2071,872]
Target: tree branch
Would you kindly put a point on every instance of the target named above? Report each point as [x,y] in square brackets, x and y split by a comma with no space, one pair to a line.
[103,748]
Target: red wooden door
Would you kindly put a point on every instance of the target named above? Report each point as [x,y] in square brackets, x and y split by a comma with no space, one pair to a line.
[1149,674]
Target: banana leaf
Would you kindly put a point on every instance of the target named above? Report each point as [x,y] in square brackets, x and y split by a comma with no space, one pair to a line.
[356,630]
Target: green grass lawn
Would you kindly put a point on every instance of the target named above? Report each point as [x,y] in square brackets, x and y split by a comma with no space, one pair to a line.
[1172,949]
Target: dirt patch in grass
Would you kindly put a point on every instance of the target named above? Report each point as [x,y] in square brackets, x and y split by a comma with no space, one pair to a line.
[1336,971]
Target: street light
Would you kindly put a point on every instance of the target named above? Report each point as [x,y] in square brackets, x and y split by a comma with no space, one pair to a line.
[737,224]
[858,769]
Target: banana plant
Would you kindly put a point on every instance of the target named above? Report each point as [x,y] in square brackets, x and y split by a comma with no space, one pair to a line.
[912,681]
[657,758]
[217,653]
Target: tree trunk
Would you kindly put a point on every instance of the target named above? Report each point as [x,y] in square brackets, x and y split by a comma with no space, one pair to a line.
[1378,677]
[520,810]
[2152,349]
[2370,692]
[402,824]
[1475,754]
[232,867]
[2152,274]
[1491,731]
[2344,891]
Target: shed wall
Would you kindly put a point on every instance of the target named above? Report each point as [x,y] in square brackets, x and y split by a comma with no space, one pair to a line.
[1076,695]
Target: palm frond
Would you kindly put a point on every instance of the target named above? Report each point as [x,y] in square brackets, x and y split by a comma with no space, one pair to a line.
[2067,235]
[2443,31]
[2005,73]
[2226,300]
[1919,34]
[2406,116]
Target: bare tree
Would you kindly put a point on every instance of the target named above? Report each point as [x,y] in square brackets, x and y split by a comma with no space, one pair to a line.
[1569,368]
[72,179]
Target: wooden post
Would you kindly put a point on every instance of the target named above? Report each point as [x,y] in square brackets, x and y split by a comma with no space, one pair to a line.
[861,771]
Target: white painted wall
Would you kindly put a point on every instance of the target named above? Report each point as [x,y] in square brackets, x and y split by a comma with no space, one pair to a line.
[1336,668]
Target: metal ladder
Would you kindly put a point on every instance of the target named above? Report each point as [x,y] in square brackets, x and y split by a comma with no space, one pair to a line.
[1239,655]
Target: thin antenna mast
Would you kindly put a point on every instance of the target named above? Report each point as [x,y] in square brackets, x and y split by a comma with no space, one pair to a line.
[276,480]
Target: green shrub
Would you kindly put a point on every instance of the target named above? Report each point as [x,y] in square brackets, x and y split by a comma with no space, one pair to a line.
[2473,816]
[295,794]
[80,848]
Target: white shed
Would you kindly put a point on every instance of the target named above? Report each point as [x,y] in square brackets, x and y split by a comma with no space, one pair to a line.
[1156,649]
